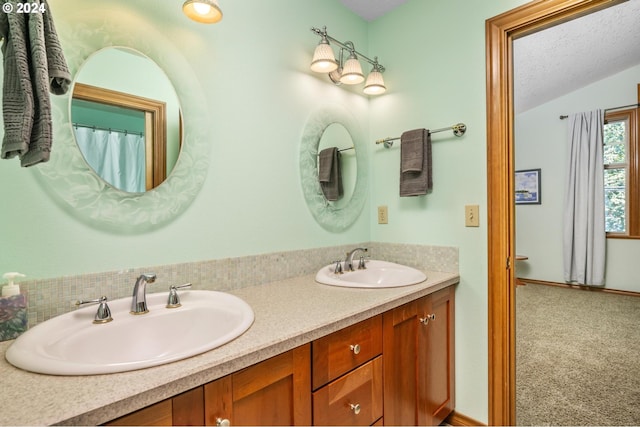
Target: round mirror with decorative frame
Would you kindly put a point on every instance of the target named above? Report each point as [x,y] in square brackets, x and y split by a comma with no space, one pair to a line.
[67,176]
[334,125]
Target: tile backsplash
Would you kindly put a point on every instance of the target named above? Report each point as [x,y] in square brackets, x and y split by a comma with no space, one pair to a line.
[51,297]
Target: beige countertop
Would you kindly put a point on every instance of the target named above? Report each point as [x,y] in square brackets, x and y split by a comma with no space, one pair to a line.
[288,313]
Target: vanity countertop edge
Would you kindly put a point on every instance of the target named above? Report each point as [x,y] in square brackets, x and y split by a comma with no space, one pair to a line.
[288,313]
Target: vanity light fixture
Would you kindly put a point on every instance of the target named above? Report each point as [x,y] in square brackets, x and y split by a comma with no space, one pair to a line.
[347,72]
[203,11]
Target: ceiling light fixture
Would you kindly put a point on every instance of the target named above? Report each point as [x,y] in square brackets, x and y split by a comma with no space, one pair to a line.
[347,72]
[203,11]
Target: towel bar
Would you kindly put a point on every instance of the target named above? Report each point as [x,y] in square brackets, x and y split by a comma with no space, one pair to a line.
[340,150]
[458,130]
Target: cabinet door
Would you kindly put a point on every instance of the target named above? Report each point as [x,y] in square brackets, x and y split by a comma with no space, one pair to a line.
[436,357]
[400,349]
[418,351]
[188,408]
[158,414]
[274,392]
[218,405]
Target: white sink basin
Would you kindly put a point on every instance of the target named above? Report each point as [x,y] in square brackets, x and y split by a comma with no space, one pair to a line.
[378,274]
[71,344]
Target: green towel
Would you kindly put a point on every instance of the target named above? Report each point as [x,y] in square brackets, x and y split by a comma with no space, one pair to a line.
[34,64]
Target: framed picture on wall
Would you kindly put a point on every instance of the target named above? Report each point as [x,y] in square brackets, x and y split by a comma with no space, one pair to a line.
[528,190]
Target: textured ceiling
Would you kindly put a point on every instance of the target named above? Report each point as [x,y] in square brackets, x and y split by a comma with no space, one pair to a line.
[564,58]
[561,59]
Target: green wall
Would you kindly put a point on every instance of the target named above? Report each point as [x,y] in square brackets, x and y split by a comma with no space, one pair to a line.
[260,92]
[541,142]
[435,57]
[253,70]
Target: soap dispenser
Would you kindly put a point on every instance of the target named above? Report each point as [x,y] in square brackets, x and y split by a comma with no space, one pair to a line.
[11,288]
[13,309]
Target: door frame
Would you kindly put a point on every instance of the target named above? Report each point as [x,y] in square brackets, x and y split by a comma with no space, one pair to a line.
[500,31]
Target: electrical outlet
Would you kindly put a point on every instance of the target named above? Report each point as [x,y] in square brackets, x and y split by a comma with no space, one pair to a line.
[472,216]
[383,215]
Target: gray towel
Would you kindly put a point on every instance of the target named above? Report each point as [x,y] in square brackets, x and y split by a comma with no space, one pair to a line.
[415,168]
[412,151]
[34,64]
[330,173]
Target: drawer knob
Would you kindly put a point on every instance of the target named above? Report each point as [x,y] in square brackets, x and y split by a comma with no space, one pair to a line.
[355,408]
[223,422]
[425,320]
[355,348]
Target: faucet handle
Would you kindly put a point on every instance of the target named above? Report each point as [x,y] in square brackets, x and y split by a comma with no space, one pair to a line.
[174,300]
[103,315]
[338,269]
[362,264]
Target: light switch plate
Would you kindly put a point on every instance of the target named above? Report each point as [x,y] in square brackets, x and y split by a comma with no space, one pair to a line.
[472,216]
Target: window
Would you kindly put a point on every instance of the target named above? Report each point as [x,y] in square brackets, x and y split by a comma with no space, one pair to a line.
[621,175]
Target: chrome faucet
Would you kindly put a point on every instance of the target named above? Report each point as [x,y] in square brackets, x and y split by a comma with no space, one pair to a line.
[139,300]
[348,262]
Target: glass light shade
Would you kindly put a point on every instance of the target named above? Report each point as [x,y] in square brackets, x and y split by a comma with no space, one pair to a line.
[375,83]
[323,60]
[203,11]
[352,72]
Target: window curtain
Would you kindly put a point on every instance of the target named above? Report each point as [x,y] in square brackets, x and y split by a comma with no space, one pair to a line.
[584,239]
[117,157]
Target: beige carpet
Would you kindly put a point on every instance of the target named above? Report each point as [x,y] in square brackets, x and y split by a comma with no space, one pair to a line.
[578,357]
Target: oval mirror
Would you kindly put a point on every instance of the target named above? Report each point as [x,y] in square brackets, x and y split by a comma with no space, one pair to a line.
[126,119]
[336,135]
[334,126]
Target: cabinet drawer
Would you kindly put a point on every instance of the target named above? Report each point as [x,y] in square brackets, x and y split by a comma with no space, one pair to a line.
[340,352]
[354,399]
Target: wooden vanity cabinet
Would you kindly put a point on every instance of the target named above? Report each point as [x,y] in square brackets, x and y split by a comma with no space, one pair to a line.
[418,348]
[396,368]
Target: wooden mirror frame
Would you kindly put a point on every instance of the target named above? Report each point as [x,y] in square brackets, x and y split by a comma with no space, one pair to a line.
[155,119]
[500,31]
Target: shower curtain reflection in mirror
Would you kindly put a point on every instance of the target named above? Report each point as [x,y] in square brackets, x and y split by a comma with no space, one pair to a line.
[117,157]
